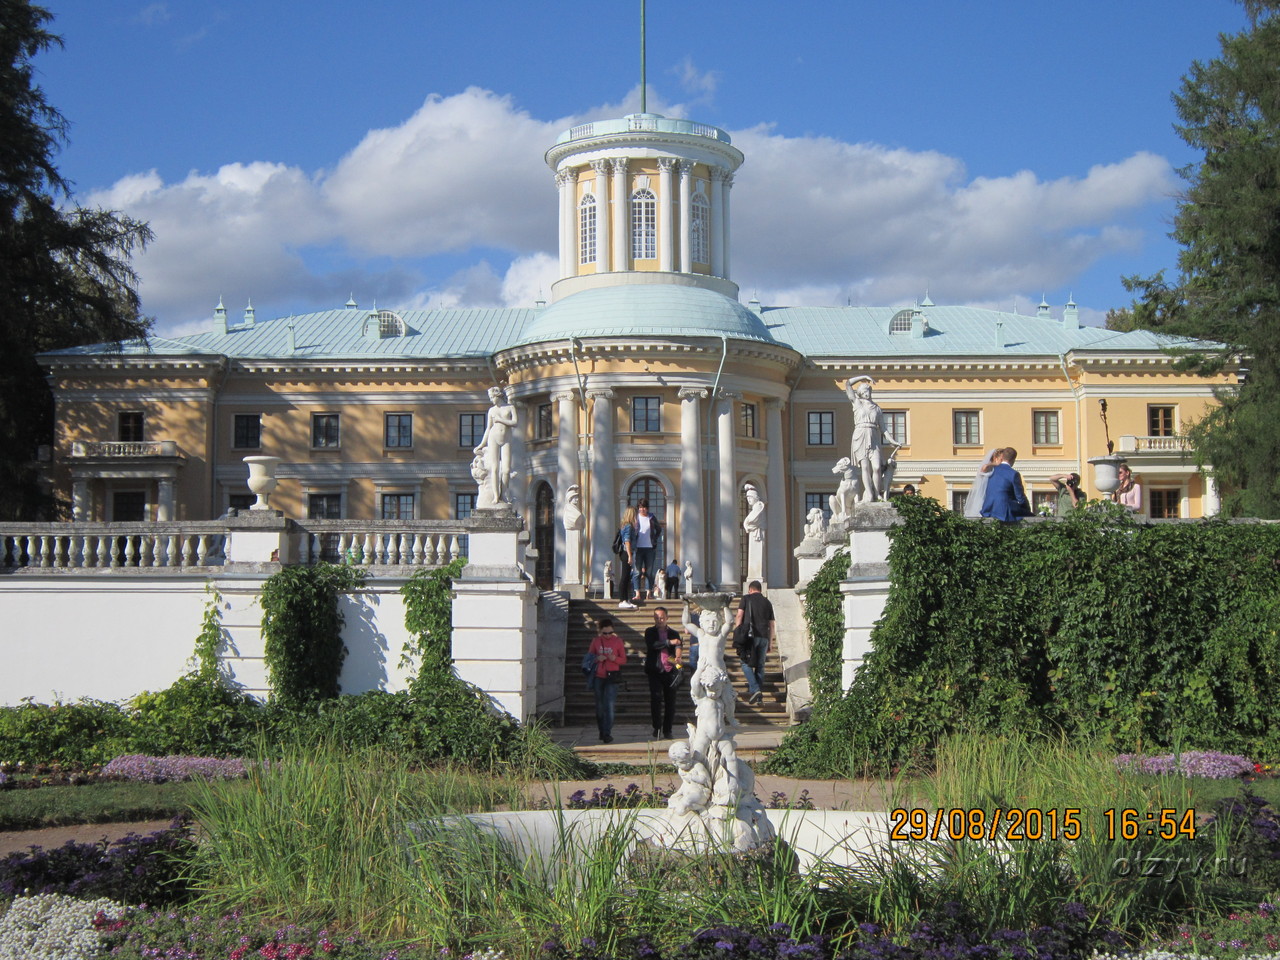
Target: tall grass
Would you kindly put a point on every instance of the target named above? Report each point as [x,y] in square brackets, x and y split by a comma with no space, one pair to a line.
[1138,884]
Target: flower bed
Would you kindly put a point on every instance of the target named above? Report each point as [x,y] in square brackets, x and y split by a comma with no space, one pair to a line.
[1190,763]
[145,769]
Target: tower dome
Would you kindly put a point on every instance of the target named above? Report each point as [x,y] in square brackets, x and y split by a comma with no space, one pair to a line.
[646,310]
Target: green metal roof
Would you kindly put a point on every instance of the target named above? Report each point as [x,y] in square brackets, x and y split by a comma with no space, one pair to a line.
[639,311]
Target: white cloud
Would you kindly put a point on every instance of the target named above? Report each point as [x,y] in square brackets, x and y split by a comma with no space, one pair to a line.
[815,220]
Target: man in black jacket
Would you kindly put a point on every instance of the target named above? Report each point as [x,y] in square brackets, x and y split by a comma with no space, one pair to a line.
[754,629]
[662,667]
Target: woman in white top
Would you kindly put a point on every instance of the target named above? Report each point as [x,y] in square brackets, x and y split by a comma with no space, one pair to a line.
[978,490]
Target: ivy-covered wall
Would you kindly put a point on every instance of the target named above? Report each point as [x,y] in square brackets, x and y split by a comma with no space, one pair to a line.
[1097,627]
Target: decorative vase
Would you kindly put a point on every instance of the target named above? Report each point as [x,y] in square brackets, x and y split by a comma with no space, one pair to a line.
[262,479]
[1106,473]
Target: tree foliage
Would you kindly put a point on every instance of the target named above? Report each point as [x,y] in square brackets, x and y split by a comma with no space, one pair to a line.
[1095,627]
[1228,289]
[65,274]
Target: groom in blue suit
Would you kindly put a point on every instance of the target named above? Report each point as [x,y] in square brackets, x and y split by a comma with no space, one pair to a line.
[1005,499]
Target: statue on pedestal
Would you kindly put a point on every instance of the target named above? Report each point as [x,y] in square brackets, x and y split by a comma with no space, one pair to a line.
[715,805]
[753,526]
[846,495]
[815,527]
[866,448]
[494,450]
[574,524]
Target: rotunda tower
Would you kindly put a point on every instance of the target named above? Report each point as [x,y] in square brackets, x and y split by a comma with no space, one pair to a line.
[644,199]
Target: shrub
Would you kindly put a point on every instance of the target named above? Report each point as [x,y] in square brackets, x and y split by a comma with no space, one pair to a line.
[85,732]
[195,715]
[135,869]
[1097,626]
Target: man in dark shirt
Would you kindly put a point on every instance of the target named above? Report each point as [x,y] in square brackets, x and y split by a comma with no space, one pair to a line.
[754,629]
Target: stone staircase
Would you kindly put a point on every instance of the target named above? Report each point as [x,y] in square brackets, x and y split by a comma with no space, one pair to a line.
[633,700]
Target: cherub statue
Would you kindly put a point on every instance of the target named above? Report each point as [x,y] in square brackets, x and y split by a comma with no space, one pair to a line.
[694,794]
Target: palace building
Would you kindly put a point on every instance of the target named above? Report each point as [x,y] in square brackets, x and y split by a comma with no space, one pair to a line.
[643,377]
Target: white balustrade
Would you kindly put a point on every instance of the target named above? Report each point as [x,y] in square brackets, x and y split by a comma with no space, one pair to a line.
[112,546]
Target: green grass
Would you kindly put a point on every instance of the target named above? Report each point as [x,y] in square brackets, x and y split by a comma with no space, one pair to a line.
[93,803]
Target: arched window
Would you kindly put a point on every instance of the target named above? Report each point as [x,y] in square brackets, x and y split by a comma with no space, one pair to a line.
[644,225]
[700,228]
[901,322]
[651,489]
[587,229]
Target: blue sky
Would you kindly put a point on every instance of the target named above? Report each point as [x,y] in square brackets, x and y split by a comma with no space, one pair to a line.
[299,152]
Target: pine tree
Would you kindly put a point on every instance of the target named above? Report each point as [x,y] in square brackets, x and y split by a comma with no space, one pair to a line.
[65,275]
[1228,290]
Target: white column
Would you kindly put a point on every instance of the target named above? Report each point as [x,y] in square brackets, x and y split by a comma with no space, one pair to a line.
[714,229]
[776,538]
[1211,503]
[724,224]
[164,499]
[565,182]
[603,214]
[621,198]
[727,499]
[692,522]
[566,464]
[686,224]
[602,521]
[666,224]
[80,499]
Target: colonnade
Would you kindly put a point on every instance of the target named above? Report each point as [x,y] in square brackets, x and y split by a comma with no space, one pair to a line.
[609,186]
[713,549]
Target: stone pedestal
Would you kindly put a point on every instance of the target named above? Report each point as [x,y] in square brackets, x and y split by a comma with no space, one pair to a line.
[256,537]
[495,617]
[572,583]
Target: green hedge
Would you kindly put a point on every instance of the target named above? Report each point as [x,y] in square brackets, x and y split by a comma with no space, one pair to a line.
[1097,627]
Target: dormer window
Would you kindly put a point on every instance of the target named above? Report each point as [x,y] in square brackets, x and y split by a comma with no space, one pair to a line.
[389,324]
[901,322]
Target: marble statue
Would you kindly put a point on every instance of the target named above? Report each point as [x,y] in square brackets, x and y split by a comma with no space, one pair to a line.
[753,526]
[495,449]
[660,583]
[866,452]
[715,804]
[815,527]
[846,495]
[484,489]
[574,523]
[688,576]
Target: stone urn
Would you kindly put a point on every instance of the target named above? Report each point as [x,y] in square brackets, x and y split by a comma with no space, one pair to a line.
[262,479]
[1106,473]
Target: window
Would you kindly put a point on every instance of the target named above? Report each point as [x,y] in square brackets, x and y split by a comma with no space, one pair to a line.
[966,429]
[470,429]
[1160,421]
[959,498]
[747,426]
[895,426]
[128,506]
[822,428]
[399,430]
[1166,504]
[821,501]
[129,426]
[463,506]
[699,224]
[644,225]
[545,425]
[247,432]
[646,414]
[587,230]
[241,501]
[397,506]
[900,322]
[389,324]
[324,506]
[1044,428]
[324,430]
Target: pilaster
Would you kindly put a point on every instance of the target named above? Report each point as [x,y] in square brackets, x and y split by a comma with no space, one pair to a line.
[686,223]
[666,226]
[621,199]
[604,215]
[692,501]
[727,500]
[775,476]
[602,520]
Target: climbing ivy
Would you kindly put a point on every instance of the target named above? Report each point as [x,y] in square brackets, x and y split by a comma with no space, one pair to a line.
[1098,627]
[824,613]
[302,630]
[428,616]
